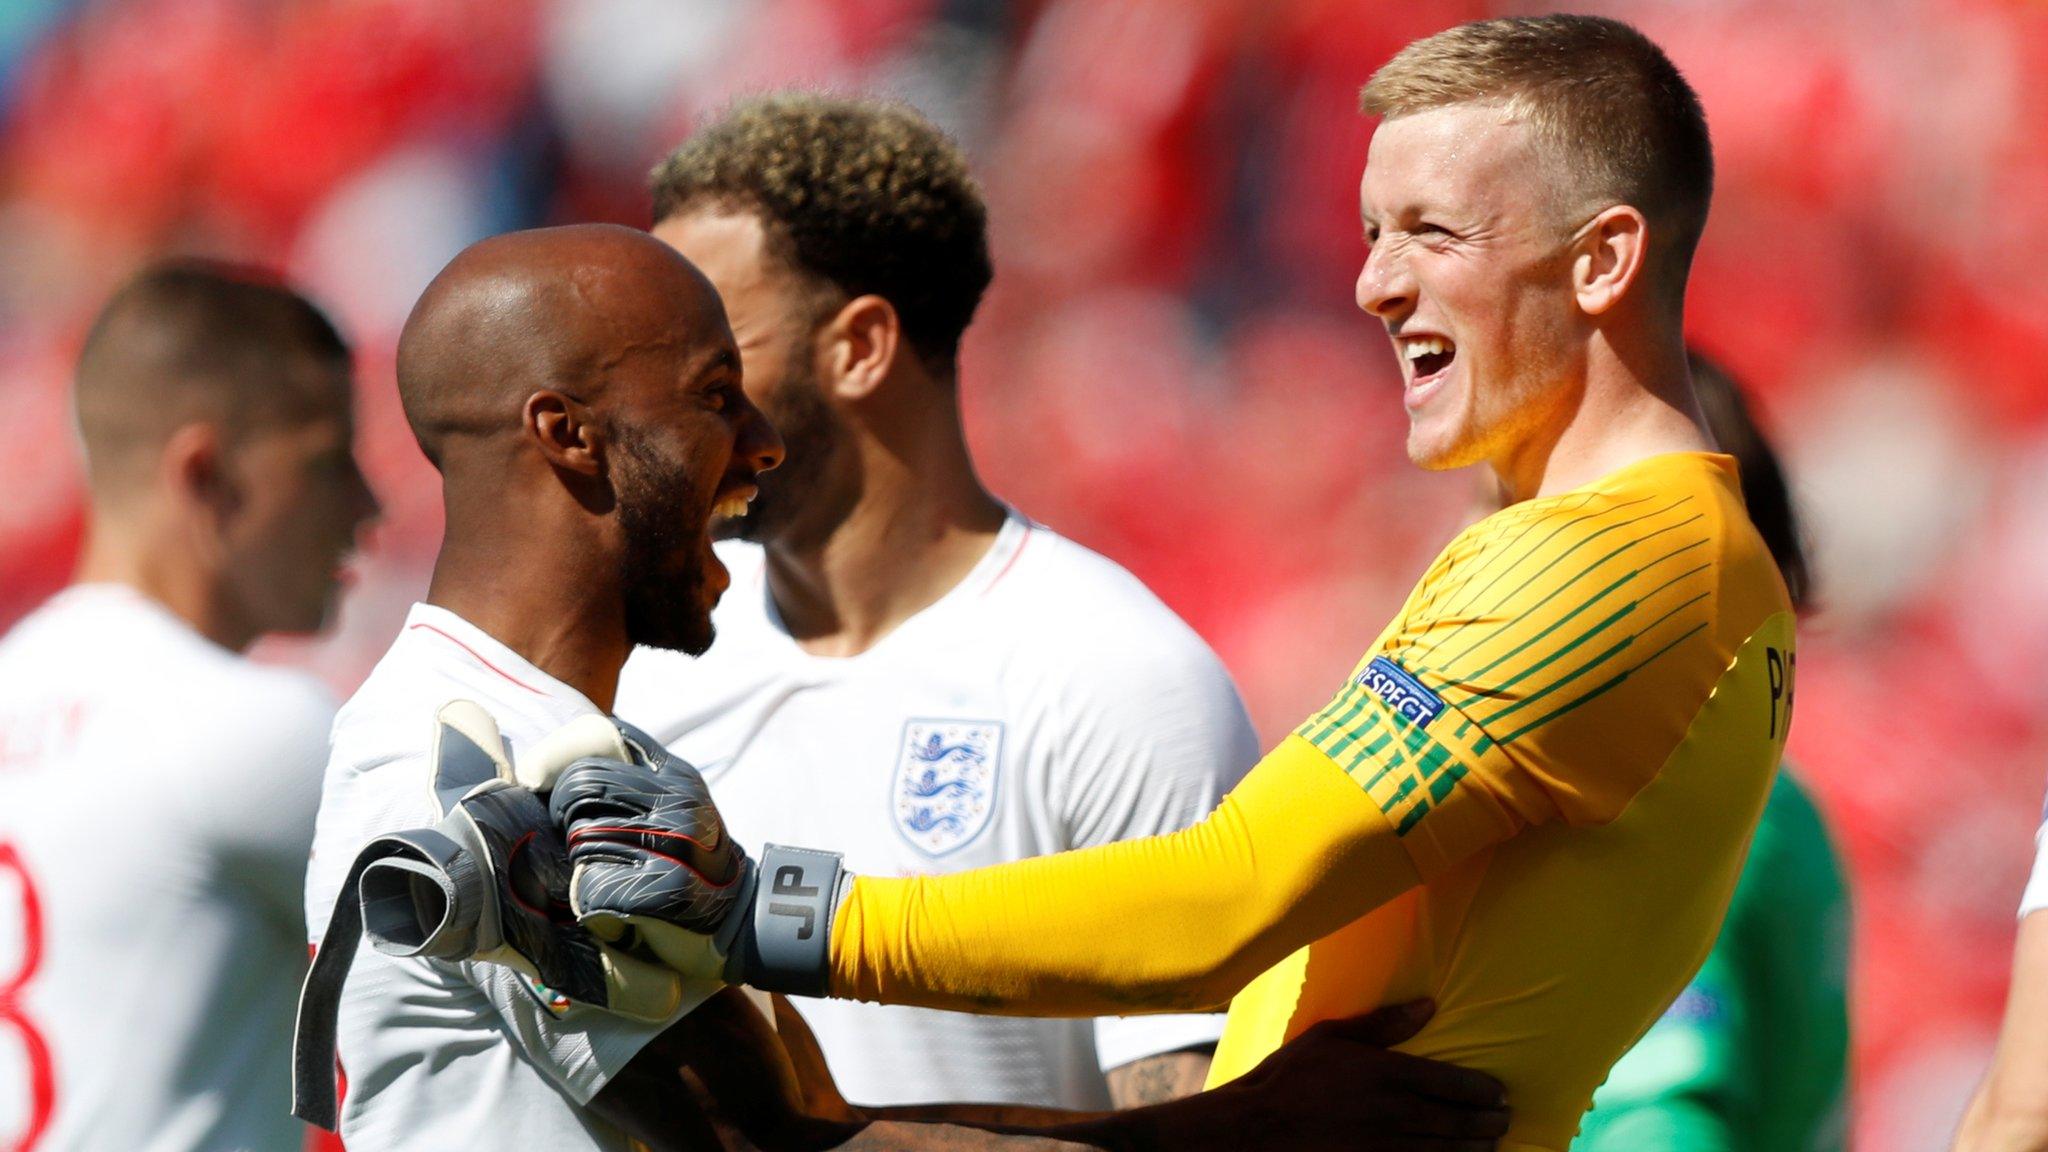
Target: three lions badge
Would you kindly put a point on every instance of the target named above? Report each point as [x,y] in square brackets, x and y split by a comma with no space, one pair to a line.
[945,786]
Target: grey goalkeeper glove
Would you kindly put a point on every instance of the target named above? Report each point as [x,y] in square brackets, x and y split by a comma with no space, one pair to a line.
[656,873]
[490,883]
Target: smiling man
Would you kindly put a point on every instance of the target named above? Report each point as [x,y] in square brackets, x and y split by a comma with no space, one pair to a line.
[579,393]
[1531,797]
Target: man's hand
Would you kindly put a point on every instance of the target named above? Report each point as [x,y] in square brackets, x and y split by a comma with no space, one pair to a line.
[489,883]
[656,873]
[1339,1086]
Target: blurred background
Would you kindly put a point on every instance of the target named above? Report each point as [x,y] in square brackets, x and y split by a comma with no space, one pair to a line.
[1170,367]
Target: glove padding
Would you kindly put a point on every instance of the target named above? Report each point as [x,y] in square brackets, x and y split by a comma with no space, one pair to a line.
[490,882]
[656,872]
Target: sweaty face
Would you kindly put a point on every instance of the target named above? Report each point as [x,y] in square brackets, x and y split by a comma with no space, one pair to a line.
[299,501]
[689,449]
[773,316]
[1469,269]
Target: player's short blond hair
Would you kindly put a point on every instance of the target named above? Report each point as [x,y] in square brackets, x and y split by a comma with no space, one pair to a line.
[1604,101]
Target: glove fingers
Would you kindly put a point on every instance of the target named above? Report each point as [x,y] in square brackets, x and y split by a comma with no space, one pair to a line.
[467,752]
[647,889]
[597,781]
[586,737]
[703,851]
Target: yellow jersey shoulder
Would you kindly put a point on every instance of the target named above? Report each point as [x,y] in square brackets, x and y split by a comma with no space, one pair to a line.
[1560,648]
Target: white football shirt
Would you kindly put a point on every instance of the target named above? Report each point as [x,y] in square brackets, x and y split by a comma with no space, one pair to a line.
[156,803]
[1047,702]
[451,1056]
[2035,897]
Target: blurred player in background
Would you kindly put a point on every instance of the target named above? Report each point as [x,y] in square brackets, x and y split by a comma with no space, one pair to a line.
[157,790]
[579,391]
[2009,1111]
[1753,1056]
[1532,797]
[908,671]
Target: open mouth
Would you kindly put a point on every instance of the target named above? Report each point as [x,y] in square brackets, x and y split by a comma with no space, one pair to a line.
[1427,356]
[732,505]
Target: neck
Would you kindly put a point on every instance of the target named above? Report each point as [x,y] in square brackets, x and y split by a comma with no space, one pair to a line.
[539,592]
[920,524]
[1636,402]
[131,550]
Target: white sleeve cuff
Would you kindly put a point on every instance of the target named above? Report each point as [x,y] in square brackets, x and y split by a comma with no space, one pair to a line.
[2035,897]
[1122,1039]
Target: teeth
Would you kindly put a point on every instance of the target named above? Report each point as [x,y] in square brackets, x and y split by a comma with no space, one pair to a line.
[731,508]
[1422,346]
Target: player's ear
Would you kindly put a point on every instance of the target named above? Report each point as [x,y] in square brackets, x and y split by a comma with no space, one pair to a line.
[567,432]
[1609,258]
[861,342]
[193,470]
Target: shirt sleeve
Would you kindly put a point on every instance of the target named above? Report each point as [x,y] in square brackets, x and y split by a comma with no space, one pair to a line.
[1547,678]
[2035,897]
[1158,734]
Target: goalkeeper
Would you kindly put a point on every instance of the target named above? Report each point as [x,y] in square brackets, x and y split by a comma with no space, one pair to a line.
[1532,796]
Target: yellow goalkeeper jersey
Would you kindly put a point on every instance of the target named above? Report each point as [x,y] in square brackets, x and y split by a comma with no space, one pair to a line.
[1572,726]
[1530,802]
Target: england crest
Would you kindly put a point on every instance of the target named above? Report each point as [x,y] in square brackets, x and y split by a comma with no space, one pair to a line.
[945,787]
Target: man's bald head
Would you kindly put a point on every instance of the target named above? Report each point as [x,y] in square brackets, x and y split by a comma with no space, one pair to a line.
[195,342]
[553,308]
[579,389]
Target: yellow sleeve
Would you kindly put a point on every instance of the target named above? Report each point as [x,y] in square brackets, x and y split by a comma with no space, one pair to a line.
[1168,923]
[1547,673]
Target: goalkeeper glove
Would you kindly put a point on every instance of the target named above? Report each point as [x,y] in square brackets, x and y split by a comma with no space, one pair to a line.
[655,870]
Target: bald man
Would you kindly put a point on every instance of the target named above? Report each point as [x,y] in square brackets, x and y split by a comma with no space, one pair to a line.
[157,789]
[579,390]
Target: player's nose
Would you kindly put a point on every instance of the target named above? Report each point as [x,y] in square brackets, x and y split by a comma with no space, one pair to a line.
[1385,288]
[758,443]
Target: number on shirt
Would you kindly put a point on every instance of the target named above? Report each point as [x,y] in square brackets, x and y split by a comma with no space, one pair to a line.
[42,1078]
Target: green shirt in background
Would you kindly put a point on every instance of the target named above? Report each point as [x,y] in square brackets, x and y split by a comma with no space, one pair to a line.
[1753,1055]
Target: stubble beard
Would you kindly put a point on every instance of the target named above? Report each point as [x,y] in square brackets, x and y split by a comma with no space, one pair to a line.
[661,575]
[789,508]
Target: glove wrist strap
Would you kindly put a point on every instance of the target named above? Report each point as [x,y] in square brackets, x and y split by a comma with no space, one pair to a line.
[785,937]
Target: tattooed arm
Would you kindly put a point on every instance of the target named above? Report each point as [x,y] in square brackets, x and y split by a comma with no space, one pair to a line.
[1157,1079]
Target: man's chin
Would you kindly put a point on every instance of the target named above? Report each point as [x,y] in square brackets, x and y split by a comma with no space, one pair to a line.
[688,641]
[689,632]
[1432,451]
